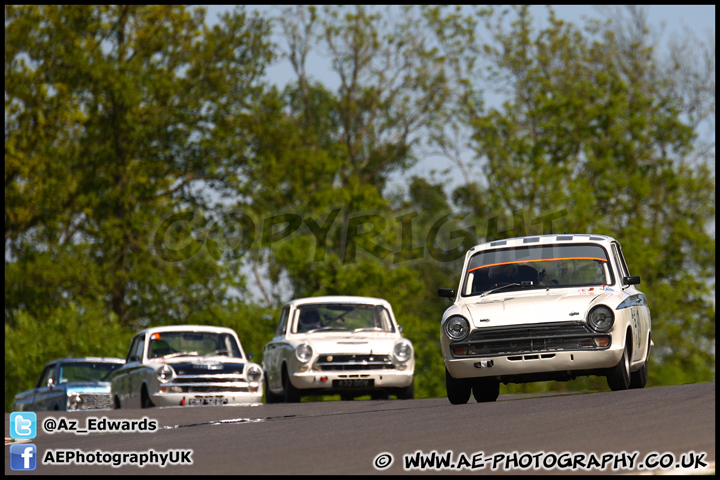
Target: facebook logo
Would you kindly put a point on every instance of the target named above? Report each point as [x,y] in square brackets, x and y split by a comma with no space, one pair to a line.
[23,425]
[23,456]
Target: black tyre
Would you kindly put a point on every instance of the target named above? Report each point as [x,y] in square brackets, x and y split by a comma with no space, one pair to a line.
[292,394]
[117,403]
[271,397]
[619,376]
[458,389]
[639,379]
[145,401]
[485,389]
[407,393]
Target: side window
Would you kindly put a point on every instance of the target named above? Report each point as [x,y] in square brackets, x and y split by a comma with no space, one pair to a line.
[133,344]
[47,374]
[619,260]
[622,260]
[140,348]
[384,319]
[136,348]
[282,325]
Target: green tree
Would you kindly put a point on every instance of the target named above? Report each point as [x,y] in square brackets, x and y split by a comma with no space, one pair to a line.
[118,117]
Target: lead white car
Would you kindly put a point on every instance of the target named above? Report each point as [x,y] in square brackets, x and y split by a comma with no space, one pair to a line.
[186,365]
[548,307]
[338,344]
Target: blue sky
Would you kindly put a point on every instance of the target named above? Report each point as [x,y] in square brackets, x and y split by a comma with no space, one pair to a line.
[668,21]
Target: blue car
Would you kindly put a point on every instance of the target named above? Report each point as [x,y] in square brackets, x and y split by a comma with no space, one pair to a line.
[71,384]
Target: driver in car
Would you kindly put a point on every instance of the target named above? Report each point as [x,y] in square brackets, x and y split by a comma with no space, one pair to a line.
[309,320]
[502,274]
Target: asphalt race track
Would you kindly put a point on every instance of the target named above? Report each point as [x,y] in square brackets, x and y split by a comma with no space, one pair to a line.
[663,426]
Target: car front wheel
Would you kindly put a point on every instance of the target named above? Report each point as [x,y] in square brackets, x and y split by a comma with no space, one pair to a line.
[292,394]
[407,393]
[271,397]
[485,389]
[619,377]
[145,401]
[458,389]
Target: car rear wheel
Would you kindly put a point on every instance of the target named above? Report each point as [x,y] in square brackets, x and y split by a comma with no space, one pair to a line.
[639,379]
[485,389]
[619,377]
[458,389]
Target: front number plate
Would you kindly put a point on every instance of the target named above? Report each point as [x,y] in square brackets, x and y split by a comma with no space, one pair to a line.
[353,383]
[207,401]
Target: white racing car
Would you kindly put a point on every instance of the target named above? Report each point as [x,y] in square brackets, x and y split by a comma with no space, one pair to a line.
[186,365]
[547,307]
[338,344]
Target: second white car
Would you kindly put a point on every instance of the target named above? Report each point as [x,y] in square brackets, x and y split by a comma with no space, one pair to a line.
[338,344]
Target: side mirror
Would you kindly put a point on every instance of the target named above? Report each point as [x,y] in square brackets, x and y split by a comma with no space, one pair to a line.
[633,280]
[446,292]
[400,329]
[133,358]
[250,355]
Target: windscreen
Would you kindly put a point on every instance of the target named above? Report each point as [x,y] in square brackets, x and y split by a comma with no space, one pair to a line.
[342,317]
[542,266]
[87,371]
[174,344]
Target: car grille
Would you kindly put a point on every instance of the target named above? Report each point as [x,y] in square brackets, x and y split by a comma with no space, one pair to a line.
[95,402]
[208,384]
[548,337]
[207,379]
[354,362]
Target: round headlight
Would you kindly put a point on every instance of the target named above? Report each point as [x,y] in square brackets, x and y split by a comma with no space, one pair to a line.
[403,350]
[456,327]
[74,401]
[601,319]
[304,352]
[165,374]
[253,373]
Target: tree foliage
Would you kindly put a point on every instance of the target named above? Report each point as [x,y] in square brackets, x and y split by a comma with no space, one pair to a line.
[114,116]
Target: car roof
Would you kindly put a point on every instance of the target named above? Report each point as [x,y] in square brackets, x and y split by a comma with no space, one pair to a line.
[87,359]
[339,299]
[187,328]
[545,240]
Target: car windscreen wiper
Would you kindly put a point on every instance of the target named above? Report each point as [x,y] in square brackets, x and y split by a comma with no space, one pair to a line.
[180,354]
[368,329]
[325,329]
[521,284]
[224,351]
